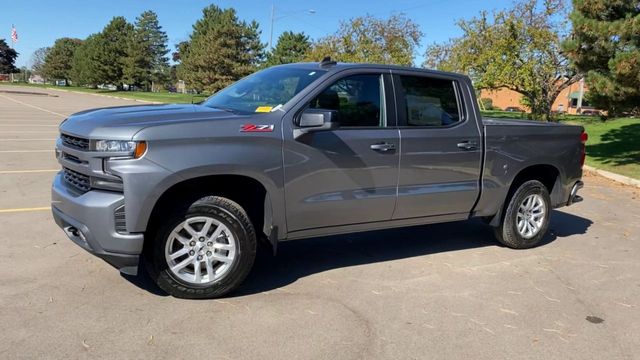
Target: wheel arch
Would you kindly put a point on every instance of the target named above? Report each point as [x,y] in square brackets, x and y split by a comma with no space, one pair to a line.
[549,175]
[252,194]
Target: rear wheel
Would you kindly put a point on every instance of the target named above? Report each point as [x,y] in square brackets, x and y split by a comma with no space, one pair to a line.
[526,218]
[205,252]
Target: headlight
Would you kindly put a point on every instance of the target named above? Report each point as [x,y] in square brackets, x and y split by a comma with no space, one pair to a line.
[115,146]
[134,148]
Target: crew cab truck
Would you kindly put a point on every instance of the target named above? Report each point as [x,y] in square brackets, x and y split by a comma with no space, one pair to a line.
[297,151]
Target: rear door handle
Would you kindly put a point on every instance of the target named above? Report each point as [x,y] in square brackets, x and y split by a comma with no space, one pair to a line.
[468,145]
[383,146]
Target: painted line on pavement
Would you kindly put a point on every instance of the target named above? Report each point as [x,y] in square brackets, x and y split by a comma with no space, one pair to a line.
[34,125]
[28,171]
[27,132]
[33,106]
[25,151]
[4,211]
[27,139]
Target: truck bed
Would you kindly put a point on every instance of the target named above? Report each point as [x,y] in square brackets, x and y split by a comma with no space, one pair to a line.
[513,145]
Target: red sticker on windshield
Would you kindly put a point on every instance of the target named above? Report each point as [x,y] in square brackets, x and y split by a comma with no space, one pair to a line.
[256,128]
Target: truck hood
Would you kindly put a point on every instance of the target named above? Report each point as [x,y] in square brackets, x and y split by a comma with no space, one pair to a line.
[121,123]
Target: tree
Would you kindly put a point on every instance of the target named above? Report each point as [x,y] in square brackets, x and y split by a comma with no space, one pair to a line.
[371,40]
[291,48]
[58,61]
[220,50]
[518,49]
[7,58]
[146,60]
[109,52]
[38,59]
[86,61]
[605,45]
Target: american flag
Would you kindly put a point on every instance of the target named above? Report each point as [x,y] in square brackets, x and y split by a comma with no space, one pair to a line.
[14,34]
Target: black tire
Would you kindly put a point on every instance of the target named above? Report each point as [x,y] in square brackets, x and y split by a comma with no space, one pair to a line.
[234,217]
[507,233]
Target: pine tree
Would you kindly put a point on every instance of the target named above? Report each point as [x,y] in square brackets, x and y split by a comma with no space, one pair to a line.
[7,58]
[86,62]
[606,46]
[111,51]
[220,50]
[290,48]
[59,59]
[147,49]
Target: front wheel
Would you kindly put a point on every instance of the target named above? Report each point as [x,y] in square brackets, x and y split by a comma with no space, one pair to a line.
[203,253]
[526,219]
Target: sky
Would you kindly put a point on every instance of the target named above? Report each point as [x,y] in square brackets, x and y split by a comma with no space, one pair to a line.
[40,22]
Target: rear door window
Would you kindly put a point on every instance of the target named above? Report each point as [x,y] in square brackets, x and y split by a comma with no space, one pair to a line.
[430,101]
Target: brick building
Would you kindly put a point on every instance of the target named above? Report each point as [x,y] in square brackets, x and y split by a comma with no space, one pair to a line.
[571,100]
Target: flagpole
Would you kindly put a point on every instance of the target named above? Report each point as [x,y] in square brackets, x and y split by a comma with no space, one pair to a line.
[14,39]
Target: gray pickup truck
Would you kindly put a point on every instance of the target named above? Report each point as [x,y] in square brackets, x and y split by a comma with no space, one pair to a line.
[298,151]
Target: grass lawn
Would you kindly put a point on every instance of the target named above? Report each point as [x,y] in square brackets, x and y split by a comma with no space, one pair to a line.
[164,97]
[613,145]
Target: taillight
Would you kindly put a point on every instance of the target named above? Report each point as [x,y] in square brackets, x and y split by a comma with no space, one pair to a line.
[584,137]
[583,140]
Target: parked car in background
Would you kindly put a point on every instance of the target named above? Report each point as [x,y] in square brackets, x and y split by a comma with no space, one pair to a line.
[591,112]
[513,109]
[298,151]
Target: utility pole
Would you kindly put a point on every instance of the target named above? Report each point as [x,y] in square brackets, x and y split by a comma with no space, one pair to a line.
[271,28]
[274,18]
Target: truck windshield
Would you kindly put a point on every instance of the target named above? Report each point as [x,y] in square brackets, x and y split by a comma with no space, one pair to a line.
[263,91]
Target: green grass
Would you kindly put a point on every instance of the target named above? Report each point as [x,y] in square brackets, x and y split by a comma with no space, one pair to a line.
[498,114]
[163,97]
[614,145]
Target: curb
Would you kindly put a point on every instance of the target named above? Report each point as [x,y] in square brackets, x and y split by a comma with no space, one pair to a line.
[615,177]
[107,96]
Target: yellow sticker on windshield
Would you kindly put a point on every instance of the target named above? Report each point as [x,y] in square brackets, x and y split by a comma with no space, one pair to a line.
[264,108]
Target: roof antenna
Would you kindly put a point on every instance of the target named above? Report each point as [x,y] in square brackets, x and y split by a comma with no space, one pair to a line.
[326,62]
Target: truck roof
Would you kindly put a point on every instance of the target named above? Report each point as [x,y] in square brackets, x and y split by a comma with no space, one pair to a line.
[338,66]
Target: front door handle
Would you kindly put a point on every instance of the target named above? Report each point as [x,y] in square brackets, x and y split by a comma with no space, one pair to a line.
[468,145]
[383,146]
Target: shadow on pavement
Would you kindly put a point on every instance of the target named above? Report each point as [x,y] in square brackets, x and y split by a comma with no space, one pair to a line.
[300,258]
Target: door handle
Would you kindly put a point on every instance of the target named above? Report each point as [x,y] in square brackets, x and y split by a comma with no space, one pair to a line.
[383,146]
[468,145]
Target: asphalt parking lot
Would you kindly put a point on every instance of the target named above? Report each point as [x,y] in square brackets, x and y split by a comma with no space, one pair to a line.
[445,291]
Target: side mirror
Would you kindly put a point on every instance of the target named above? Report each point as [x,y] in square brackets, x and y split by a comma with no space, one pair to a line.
[318,119]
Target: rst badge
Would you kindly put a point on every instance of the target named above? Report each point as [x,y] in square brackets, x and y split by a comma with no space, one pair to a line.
[256,128]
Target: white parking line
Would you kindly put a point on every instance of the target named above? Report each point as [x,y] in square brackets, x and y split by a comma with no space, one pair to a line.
[27,139]
[27,132]
[23,125]
[33,106]
[27,171]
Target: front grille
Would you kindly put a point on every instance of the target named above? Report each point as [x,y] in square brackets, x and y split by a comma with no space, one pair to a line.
[77,180]
[119,216]
[75,142]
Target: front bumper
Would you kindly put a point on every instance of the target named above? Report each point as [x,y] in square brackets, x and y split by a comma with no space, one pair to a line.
[88,220]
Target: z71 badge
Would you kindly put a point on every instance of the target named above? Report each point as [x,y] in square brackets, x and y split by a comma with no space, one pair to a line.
[256,128]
